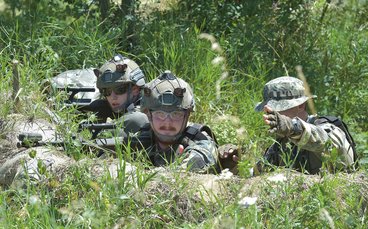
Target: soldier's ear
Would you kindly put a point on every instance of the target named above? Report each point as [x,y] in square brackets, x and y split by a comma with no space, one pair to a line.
[97,72]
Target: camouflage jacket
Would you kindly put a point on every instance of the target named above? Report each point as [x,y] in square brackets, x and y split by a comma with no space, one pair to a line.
[196,153]
[317,143]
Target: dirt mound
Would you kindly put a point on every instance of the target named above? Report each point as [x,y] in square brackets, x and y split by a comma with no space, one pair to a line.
[14,159]
[187,194]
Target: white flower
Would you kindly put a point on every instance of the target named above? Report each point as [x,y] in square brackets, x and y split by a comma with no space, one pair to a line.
[124,197]
[247,201]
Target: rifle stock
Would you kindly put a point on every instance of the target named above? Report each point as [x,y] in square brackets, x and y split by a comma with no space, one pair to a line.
[140,142]
[73,91]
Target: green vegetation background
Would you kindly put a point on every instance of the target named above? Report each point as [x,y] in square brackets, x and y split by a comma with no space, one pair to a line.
[227,50]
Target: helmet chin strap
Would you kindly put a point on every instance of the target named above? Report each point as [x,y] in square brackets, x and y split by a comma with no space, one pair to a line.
[171,139]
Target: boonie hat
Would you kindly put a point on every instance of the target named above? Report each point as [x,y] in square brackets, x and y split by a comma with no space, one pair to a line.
[283,93]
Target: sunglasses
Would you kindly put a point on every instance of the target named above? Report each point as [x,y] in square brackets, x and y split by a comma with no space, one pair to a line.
[162,115]
[117,90]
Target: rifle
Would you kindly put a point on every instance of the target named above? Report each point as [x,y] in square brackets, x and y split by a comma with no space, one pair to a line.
[136,142]
[86,102]
[96,128]
[140,140]
[80,86]
[73,99]
[72,92]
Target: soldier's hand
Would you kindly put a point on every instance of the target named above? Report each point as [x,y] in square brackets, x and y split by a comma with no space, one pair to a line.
[279,124]
[229,157]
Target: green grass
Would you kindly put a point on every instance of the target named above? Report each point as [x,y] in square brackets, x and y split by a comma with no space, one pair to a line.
[254,48]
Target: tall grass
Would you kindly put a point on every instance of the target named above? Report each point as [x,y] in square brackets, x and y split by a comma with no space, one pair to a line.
[168,40]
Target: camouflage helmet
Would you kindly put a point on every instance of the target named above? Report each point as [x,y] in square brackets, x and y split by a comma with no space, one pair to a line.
[167,92]
[117,71]
[283,93]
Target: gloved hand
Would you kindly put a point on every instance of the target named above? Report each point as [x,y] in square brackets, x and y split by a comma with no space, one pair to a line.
[282,125]
[229,157]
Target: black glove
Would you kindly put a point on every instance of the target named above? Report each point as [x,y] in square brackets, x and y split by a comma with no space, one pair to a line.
[229,157]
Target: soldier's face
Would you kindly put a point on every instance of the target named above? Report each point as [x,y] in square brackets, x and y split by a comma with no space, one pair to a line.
[168,123]
[294,111]
[118,98]
[291,113]
[117,102]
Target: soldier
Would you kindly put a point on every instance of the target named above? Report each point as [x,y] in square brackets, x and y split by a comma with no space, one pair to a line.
[168,102]
[120,81]
[301,139]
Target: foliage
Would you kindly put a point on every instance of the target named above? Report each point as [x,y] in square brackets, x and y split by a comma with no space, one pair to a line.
[296,203]
[250,43]
[328,40]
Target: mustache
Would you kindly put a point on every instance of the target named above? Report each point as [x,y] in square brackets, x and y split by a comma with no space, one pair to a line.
[169,128]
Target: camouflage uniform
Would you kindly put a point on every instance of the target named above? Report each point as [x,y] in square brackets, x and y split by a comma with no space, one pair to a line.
[198,154]
[117,72]
[314,141]
[193,147]
[77,79]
